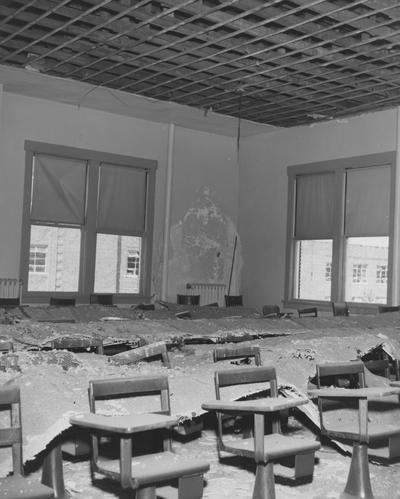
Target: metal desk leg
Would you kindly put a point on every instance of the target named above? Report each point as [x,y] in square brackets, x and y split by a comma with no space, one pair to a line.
[52,472]
[264,485]
[358,480]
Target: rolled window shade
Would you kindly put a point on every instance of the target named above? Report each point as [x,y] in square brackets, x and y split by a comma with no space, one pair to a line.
[122,199]
[367,201]
[314,206]
[58,191]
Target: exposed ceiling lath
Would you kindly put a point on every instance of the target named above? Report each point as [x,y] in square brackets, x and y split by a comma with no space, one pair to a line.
[289,62]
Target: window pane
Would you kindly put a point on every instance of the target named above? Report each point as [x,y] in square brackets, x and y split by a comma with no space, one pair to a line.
[314,206]
[54,257]
[366,269]
[313,270]
[367,202]
[58,193]
[117,264]
[122,199]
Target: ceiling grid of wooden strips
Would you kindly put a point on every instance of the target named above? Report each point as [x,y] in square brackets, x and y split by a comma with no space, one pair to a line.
[279,62]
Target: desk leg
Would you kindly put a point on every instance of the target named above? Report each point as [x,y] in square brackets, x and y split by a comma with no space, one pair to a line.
[52,473]
[358,480]
[264,485]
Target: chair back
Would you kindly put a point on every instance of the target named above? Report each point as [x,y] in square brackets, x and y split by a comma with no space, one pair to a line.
[62,302]
[233,300]
[310,312]
[340,308]
[350,373]
[388,308]
[122,388]
[188,299]
[271,310]
[11,436]
[245,376]
[139,386]
[225,353]
[6,346]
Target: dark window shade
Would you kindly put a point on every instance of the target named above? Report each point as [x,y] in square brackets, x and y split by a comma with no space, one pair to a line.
[122,200]
[367,201]
[58,191]
[314,206]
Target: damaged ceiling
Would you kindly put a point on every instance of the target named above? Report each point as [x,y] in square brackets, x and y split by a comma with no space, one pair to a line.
[280,63]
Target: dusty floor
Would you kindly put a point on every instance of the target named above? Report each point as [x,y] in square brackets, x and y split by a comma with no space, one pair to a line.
[51,388]
[234,478]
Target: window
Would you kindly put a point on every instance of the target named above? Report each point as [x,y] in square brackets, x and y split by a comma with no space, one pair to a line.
[340,219]
[381,274]
[37,258]
[93,211]
[328,271]
[359,273]
[132,263]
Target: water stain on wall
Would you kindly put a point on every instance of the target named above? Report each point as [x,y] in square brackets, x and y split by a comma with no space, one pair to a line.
[202,245]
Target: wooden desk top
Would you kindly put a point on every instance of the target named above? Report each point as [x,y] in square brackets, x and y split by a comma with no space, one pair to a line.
[355,393]
[269,404]
[128,424]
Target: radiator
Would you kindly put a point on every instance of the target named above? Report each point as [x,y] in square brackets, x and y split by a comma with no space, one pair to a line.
[10,288]
[209,292]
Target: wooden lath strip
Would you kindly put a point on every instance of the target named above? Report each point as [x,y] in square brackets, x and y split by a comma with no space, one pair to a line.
[61,27]
[292,63]
[33,22]
[273,48]
[97,27]
[341,81]
[146,22]
[274,17]
[332,99]
[162,48]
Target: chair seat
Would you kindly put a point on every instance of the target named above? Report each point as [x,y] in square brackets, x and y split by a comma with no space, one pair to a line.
[375,432]
[19,487]
[276,446]
[151,469]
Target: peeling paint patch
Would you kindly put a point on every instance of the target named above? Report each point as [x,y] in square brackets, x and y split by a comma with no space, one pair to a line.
[202,245]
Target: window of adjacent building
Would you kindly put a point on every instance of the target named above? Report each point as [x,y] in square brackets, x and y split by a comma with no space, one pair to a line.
[91,210]
[328,271]
[132,263]
[381,274]
[37,258]
[313,236]
[339,216]
[359,273]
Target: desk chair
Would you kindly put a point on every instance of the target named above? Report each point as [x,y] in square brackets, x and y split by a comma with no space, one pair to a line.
[188,299]
[233,300]
[6,346]
[62,302]
[241,352]
[276,445]
[77,343]
[102,299]
[150,470]
[351,374]
[10,302]
[17,486]
[340,309]
[382,309]
[308,312]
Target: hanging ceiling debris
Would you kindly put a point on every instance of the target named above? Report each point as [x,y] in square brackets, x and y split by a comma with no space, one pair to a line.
[289,62]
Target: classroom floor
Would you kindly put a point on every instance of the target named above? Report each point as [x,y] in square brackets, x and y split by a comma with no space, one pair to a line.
[234,478]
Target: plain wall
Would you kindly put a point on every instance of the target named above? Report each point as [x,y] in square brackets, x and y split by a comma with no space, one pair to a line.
[203,211]
[263,188]
[199,159]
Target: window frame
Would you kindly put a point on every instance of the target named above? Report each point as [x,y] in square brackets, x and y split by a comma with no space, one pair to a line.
[339,167]
[88,228]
